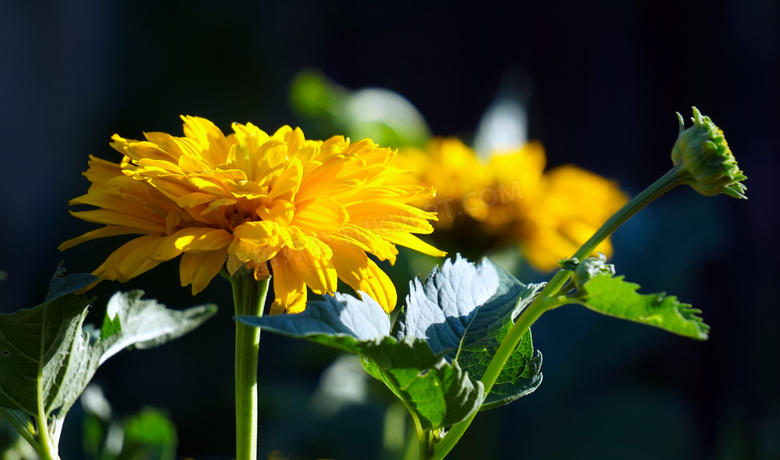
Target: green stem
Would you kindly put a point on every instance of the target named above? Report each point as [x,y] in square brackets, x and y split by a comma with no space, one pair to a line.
[422,438]
[523,323]
[249,299]
[551,297]
[48,450]
[668,181]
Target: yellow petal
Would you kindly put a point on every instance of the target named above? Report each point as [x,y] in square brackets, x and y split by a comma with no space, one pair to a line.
[249,136]
[199,269]
[191,200]
[288,182]
[388,215]
[140,149]
[255,241]
[280,211]
[320,214]
[295,141]
[412,242]
[362,274]
[111,230]
[317,272]
[109,217]
[209,136]
[289,289]
[131,259]
[351,235]
[194,240]
[270,155]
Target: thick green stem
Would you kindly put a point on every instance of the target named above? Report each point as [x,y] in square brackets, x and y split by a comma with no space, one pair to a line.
[249,299]
[551,297]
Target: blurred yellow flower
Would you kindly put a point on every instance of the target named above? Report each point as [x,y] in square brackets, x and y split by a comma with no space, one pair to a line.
[455,172]
[312,210]
[549,214]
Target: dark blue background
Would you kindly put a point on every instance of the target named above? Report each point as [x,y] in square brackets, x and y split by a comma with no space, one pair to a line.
[607,78]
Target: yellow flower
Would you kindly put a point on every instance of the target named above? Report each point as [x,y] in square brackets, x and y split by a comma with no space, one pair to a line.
[312,210]
[549,214]
[455,172]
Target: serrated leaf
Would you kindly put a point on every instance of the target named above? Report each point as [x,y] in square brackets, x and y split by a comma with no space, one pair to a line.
[465,311]
[439,394]
[615,297]
[46,356]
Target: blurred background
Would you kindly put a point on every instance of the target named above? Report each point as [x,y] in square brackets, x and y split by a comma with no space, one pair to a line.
[600,84]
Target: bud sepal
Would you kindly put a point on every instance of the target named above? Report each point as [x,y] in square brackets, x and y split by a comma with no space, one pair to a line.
[704,160]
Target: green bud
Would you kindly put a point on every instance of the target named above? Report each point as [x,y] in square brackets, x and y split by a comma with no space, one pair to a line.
[704,159]
[591,267]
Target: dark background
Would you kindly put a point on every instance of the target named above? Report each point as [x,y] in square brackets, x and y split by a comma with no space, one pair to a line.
[607,78]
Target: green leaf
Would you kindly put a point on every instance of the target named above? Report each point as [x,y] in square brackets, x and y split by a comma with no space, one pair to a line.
[465,311]
[47,358]
[615,297]
[61,285]
[438,393]
[149,434]
[439,396]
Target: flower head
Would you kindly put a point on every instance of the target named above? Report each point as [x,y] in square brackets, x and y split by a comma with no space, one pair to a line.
[704,155]
[548,214]
[308,211]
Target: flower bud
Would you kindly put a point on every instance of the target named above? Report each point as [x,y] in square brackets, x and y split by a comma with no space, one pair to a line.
[705,160]
[592,267]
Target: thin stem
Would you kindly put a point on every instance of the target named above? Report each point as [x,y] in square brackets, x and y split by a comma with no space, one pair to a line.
[422,438]
[668,181]
[551,298]
[249,299]
[523,323]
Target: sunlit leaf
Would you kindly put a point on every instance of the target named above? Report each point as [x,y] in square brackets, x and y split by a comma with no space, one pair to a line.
[466,310]
[615,297]
[439,393]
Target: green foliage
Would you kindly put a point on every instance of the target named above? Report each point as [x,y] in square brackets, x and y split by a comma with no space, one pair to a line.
[615,297]
[47,358]
[437,392]
[439,396]
[441,345]
[468,309]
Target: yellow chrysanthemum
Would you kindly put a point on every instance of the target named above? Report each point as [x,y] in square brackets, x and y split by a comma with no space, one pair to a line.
[312,210]
[549,214]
